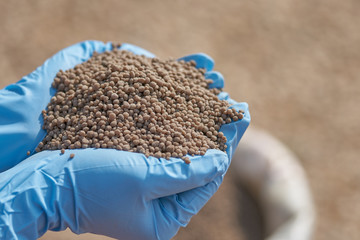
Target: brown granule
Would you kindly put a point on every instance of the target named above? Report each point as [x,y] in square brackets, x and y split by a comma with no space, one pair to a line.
[161,108]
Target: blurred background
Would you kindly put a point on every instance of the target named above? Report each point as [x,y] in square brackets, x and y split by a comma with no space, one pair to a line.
[295,62]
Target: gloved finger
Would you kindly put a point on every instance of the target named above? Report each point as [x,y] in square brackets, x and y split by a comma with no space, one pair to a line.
[218,79]
[177,210]
[202,60]
[235,130]
[166,177]
[224,96]
[136,50]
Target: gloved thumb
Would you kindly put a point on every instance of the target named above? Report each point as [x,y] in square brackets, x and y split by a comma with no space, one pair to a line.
[235,130]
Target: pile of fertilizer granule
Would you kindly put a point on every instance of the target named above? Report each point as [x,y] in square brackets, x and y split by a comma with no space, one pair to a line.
[161,108]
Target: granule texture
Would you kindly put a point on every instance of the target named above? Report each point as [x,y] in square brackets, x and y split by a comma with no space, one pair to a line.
[119,100]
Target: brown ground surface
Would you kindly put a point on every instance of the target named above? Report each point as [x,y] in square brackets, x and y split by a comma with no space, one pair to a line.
[295,62]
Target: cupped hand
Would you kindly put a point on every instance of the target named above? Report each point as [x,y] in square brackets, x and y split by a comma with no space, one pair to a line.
[104,191]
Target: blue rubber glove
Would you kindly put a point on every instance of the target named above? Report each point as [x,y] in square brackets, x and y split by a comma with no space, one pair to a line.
[104,191]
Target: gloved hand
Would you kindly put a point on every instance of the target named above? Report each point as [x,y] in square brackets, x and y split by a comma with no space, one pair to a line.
[104,191]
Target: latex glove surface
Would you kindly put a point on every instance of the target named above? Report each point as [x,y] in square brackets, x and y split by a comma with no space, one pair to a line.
[104,191]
